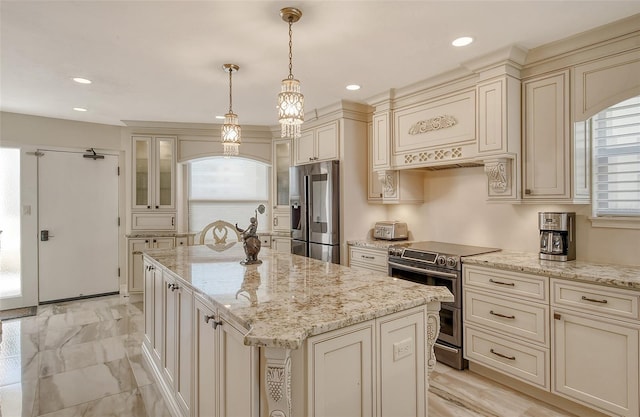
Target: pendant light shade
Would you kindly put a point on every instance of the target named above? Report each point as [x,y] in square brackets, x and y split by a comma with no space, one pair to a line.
[290,99]
[231,131]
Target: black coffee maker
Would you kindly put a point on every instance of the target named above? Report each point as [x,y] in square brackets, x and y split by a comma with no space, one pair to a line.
[557,236]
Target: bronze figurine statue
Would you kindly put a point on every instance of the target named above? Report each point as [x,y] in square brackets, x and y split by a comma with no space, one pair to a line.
[251,241]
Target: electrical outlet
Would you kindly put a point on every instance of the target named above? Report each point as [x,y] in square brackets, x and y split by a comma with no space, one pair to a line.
[402,349]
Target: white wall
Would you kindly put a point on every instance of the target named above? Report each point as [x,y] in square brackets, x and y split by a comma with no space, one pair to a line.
[456,211]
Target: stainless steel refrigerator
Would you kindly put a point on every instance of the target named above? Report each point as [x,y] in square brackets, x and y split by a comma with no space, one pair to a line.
[315,210]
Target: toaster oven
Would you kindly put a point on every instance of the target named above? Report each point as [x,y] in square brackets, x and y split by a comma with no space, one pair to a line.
[390,230]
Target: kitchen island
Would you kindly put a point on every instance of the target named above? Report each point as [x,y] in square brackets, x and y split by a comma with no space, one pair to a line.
[291,336]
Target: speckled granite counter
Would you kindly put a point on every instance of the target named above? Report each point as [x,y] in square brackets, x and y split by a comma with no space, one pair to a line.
[142,235]
[288,298]
[375,244]
[595,273]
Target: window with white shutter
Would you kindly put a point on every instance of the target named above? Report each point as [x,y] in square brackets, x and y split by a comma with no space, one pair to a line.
[616,160]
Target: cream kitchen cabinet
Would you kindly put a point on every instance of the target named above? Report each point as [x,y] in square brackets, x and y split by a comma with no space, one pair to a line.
[225,369]
[281,163]
[320,143]
[595,340]
[153,201]
[135,277]
[374,189]
[506,323]
[401,187]
[368,258]
[342,365]
[153,293]
[281,220]
[281,244]
[177,302]
[552,170]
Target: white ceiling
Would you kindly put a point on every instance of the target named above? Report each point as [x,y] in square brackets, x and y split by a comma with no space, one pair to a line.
[161,60]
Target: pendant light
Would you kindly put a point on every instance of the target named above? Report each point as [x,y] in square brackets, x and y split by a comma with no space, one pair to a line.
[290,100]
[231,132]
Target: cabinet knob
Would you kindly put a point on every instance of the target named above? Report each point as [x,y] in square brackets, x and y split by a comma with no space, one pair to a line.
[148,207]
[157,207]
[310,159]
[527,192]
[215,322]
[207,318]
[146,241]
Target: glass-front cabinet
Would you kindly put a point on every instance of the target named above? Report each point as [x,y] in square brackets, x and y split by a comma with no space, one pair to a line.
[281,164]
[154,172]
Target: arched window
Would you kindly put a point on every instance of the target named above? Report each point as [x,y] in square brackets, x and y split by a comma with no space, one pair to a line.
[616,160]
[227,189]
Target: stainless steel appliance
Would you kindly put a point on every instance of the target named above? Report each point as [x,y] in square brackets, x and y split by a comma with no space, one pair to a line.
[315,210]
[557,236]
[392,230]
[438,263]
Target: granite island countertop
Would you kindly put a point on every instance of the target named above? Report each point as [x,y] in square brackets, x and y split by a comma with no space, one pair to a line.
[621,276]
[288,298]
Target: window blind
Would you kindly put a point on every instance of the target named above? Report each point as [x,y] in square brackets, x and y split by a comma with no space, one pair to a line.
[616,160]
[227,189]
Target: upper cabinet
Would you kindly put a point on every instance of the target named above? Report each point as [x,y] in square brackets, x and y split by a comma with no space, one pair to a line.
[549,150]
[153,200]
[321,143]
[281,162]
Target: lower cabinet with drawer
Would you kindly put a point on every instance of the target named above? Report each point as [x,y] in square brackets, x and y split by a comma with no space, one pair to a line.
[369,259]
[594,348]
[506,323]
[575,340]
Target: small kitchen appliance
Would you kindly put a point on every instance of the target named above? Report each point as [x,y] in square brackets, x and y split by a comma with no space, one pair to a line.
[438,263]
[557,236]
[391,230]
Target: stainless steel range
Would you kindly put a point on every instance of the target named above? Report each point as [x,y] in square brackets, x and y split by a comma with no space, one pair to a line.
[438,263]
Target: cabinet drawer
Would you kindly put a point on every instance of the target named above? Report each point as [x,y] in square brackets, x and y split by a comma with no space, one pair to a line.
[153,221]
[514,284]
[515,318]
[595,298]
[182,241]
[526,363]
[369,257]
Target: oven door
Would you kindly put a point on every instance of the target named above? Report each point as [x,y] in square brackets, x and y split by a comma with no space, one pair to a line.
[430,276]
[450,325]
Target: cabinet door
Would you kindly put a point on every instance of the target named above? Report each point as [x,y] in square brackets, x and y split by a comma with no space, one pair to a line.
[205,361]
[380,143]
[135,278]
[158,314]
[239,372]
[401,365]
[596,362]
[281,164]
[141,188]
[305,148]
[282,220]
[546,137]
[374,185]
[164,172]
[163,242]
[327,142]
[341,373]
[184,321]
[169,329]
[281,244]
[149,311]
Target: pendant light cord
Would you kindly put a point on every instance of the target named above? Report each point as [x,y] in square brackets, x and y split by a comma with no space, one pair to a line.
[230,88]
[290,49]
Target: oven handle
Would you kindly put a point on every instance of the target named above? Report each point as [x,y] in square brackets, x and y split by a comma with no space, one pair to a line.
[424,271]
[443,347]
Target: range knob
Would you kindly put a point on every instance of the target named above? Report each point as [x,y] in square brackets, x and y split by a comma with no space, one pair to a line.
[452,262]
[441,260]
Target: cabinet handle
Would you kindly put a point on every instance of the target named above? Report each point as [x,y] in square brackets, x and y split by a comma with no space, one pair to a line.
[511,284]
[593,300]
[215,322]
[501,315]
[173,221]
[275,221]
[367,257]
[310,159]
[157,207]
[557,316]
[511,358]
[527,192]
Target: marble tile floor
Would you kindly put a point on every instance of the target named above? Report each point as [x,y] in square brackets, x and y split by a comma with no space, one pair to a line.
[82,358]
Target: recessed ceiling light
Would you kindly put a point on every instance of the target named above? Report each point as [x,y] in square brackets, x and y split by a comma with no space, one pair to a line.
[353,87]
[220,117]
[463,41]
[82,80]
[79,109]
